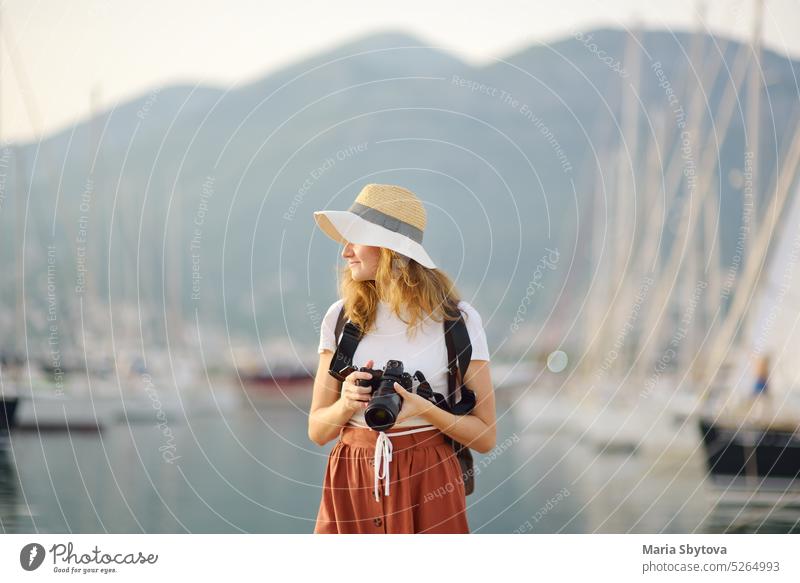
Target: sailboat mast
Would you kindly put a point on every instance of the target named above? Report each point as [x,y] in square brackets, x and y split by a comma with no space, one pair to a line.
[754,260]
[708,165]
[19,243]
[622,191]
[754,94]
[753,130]
[174,259]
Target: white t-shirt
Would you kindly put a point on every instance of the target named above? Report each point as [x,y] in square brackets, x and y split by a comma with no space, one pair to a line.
[426,351]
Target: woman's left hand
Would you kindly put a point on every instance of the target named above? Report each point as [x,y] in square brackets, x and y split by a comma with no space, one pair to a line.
[413,404]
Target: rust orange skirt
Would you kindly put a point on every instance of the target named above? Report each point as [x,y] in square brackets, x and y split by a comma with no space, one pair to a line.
[426,494]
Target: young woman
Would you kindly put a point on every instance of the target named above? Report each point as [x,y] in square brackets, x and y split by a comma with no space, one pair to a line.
[395,294]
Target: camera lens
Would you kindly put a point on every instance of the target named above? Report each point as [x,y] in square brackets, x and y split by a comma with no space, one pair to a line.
[381,413]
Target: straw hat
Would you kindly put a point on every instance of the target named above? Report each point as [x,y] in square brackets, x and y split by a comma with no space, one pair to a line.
[383,215]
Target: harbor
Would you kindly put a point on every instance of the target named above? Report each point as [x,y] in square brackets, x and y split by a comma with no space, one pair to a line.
[537,480]
[619,204]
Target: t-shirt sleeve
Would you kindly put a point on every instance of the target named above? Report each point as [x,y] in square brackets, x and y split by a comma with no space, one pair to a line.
[327,333]
[477,336]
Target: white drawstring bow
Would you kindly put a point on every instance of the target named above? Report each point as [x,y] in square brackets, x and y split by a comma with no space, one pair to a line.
[383,455]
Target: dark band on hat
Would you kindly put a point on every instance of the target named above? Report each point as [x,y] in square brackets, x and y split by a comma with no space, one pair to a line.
[383,220]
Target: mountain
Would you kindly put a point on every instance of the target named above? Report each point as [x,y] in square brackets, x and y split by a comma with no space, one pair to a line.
[213,188]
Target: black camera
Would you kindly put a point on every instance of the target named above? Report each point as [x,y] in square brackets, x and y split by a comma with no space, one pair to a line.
[384,404]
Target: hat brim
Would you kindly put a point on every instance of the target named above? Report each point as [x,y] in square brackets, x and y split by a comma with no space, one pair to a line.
[344,227]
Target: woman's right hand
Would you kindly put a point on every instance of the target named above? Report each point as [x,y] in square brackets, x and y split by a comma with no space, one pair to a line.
[355,397]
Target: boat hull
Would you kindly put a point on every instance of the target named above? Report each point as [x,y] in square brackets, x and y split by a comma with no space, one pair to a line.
[8,413]
[767,457]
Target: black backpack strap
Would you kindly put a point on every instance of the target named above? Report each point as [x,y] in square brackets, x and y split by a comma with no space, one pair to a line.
[459,354]
[339,324]
[345,347]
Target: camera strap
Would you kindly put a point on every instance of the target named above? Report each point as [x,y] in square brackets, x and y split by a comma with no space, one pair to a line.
[459,353]
[463,407]
[345,348]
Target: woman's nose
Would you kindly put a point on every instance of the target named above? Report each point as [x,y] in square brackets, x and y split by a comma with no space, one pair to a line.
[348,250]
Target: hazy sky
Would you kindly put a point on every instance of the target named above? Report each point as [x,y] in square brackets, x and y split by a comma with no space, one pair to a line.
[56,52]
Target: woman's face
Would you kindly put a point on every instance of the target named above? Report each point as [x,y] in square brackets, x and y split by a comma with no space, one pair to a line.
[362,260]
